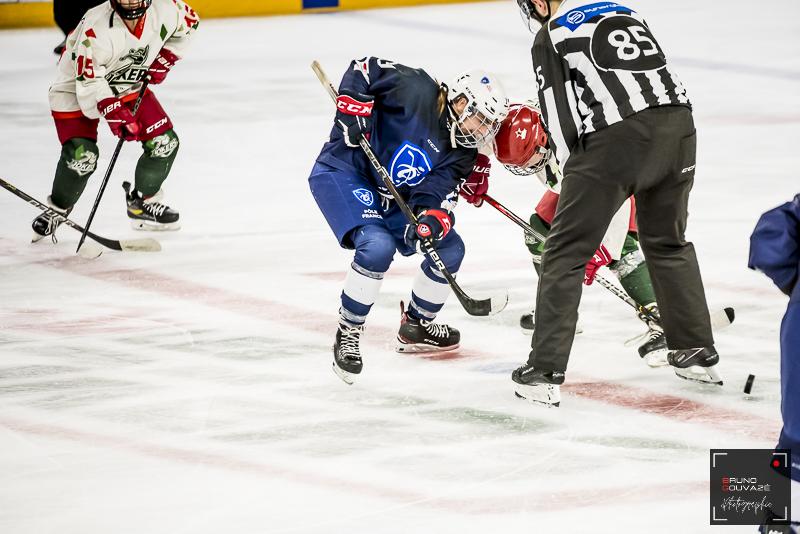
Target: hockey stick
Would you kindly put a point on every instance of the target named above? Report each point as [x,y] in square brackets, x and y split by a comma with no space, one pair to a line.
[719,319]
[483,307]
[138,245]
[111,167]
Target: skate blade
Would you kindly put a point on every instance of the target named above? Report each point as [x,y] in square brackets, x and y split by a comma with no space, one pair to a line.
[346,377]
[35,238]
[657,359]
[422,347]
[150,226]
[702,375]
[543,394]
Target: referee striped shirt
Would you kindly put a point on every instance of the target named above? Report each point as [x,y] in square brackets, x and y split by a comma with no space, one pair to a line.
[595,65]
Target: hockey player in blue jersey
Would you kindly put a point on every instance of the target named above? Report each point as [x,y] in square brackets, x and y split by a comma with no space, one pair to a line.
[775,250]
[426,134]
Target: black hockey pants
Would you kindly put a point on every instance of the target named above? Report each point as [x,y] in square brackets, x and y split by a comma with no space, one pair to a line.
[650,155]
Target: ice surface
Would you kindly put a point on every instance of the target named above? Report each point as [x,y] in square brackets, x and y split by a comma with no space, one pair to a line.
[190,390]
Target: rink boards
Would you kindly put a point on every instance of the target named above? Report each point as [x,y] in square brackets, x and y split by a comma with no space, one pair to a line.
[26,13]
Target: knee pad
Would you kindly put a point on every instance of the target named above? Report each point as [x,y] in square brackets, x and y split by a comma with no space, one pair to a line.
[164,146]
[375,248]
[452,252]
[535,245]
[79,156]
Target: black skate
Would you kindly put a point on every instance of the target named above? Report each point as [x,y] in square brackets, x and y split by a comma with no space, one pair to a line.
[698,365]
[45,225]
[149,213]
[528,324]
[654,350]
[538,386]
[419,335]
[346,352]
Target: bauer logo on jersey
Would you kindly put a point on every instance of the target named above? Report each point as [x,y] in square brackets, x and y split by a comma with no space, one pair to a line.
[364,196]
[410,165]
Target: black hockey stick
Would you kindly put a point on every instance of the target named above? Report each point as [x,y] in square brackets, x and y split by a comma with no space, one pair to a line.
[111,164]
[138,245]
[483,307]
[719,319]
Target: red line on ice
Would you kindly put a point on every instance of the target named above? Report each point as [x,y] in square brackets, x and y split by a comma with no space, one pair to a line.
[671,407]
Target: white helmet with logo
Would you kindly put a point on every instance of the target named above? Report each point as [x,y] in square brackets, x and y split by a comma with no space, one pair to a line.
[486,107]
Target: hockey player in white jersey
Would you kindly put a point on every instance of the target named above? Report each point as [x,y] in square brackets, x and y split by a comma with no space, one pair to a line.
[100,74]
[522,146]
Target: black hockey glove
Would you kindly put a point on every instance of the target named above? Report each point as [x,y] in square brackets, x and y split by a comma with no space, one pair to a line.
[432,224]
[354,116]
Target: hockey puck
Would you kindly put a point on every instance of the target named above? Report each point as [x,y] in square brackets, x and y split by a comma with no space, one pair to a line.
[748,386]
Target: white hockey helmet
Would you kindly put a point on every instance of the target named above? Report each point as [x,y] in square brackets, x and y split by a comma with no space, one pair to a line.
[486,105]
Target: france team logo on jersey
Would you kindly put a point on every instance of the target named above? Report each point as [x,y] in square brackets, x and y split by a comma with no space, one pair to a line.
[364,196]
[410,165]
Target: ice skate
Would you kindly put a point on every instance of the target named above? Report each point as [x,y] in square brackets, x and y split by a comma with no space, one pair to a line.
[698,365]
[654,350]
[45,225]
[149,213]
[419,335]
[346,352]
[538,386]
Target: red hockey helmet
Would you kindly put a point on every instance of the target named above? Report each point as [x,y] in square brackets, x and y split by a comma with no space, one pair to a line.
[521,143]
[130,9]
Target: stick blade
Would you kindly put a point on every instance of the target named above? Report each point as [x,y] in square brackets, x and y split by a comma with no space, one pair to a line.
[485,307]
[90,251]
[140,245]
[721,319]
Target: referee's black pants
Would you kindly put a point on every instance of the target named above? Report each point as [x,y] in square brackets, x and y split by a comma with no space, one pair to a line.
[650,155]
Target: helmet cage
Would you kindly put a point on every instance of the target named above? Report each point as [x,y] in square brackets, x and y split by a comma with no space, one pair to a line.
[481,130]
[131,13]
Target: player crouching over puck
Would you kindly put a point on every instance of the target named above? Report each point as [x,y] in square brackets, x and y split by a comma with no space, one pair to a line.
[426,134]
[100,74]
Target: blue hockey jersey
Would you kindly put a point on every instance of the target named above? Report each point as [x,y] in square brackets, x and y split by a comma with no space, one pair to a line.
[775,250]
[410,135]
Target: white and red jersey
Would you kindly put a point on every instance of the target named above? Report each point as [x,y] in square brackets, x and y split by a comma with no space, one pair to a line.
[104,58]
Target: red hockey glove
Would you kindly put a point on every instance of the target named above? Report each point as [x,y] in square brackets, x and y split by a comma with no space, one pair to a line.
[432,224]
[477,184]
[119,118]
[160,68]
[601,257]
[354,116]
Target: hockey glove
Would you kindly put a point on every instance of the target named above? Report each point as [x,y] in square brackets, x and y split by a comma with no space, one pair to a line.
[119,118]
[160,68]
[432,224]
[601,257]
[354,116]
[477,184]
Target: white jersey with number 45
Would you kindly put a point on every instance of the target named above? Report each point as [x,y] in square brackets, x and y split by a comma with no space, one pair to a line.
[103,58]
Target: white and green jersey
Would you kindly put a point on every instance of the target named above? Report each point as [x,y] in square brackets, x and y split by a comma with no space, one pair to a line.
[104,58]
